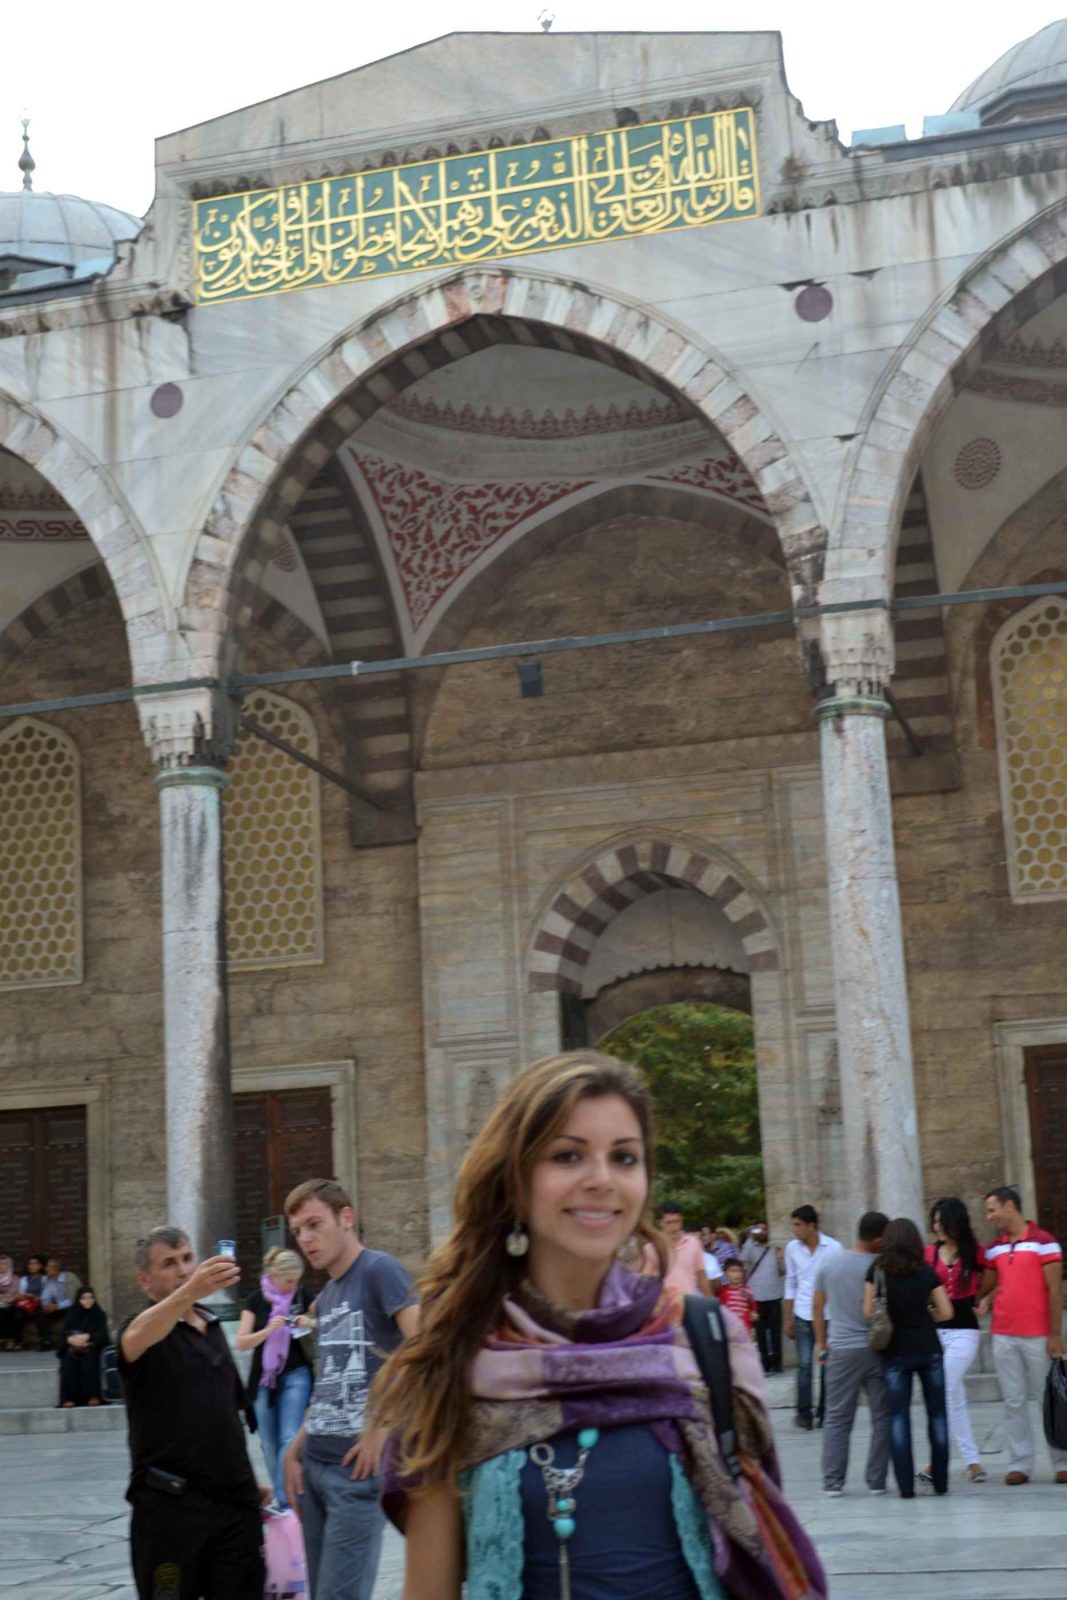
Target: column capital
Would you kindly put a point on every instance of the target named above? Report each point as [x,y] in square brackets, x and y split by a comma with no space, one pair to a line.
[850,658]
[188,728]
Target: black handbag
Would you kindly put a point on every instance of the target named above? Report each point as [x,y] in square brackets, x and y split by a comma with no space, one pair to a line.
[703,1322]
[1055,1407]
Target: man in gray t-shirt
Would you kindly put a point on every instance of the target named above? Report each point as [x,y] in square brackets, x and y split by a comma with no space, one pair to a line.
[851,1364]
[331,1467]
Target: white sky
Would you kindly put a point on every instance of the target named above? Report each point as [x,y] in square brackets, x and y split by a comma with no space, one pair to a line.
[102,81]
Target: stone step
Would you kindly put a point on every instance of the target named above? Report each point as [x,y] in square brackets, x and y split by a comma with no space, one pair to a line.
[50,1419]
[28,1379]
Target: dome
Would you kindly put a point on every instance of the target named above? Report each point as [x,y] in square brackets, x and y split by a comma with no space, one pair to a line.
[1029,80]
[59,230]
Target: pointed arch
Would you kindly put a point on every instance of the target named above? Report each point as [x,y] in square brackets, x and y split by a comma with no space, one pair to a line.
[122,544]
[606,882]
[1007,286]
[441,323]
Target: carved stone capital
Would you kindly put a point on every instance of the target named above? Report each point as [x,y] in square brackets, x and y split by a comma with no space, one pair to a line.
[850,656]
[188,728]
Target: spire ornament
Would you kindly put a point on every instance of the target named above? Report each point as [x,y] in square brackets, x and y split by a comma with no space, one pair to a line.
[27,165]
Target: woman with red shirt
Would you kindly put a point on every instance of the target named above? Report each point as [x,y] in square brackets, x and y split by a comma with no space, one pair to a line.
[958,1259]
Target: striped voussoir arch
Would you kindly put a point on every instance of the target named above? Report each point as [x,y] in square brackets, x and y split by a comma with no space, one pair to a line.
[442,324]
[579,914]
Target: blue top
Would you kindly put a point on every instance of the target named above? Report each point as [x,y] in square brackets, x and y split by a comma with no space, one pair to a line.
[626,1544]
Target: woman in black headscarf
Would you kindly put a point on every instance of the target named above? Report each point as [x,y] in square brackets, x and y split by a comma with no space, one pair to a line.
[83,1337]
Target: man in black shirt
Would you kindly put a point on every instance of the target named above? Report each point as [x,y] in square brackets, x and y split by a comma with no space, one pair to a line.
[195,1532]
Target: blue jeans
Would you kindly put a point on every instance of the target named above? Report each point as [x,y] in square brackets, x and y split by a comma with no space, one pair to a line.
[805,1341]
[343,1528]
[931,1374]
[279,1423]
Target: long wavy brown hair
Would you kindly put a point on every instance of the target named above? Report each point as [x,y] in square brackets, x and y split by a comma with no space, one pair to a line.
[423,1391]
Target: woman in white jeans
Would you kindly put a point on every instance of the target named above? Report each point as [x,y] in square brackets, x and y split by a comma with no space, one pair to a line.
[958,1259]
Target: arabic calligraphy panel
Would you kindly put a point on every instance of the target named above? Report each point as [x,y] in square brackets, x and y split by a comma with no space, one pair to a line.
[621,183]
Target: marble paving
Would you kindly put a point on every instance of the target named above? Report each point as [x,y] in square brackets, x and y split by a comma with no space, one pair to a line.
[63,1524]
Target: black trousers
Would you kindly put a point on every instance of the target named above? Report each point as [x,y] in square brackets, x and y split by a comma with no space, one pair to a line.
[769,1335]
[192,1548]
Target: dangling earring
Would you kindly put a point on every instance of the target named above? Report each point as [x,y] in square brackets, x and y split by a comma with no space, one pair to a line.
[518,1240]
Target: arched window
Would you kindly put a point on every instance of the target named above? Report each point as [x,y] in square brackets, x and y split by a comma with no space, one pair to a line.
[272,848]
[40,857]
[1030,699]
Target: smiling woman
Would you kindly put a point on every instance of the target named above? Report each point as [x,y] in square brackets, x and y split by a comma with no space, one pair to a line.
[551,1431]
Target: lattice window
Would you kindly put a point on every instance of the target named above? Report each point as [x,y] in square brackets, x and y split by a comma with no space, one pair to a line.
[272,843]
[1030,698]
[40,857]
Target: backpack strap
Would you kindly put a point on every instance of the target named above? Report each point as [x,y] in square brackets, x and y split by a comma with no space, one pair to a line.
[703,1322]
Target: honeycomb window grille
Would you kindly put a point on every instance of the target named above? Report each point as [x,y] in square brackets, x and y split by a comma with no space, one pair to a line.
[1030,700]
[40,857]
[272,847]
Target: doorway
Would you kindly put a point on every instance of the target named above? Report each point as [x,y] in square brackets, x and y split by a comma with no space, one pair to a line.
[1045,1071]
[699,1060]
[281,1137]
[44,1185]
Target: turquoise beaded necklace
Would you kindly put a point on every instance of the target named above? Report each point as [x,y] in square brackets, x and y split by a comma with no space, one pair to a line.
[560,1484]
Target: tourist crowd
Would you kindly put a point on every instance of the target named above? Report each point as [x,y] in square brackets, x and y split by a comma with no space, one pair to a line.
[572,1407]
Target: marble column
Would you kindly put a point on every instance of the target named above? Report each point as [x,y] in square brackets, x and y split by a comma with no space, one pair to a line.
[884,1168]
[190,734]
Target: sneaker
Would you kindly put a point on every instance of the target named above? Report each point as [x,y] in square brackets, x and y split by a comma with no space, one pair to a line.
[1013,1479]
[925,1477]
[882,1490]
[834,1494]
[804,1422]
[976,1473]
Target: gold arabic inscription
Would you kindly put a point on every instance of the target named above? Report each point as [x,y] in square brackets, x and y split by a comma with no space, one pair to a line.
[621,184]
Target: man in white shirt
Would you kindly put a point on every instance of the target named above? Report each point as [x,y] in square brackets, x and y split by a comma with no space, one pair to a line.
[804,1253]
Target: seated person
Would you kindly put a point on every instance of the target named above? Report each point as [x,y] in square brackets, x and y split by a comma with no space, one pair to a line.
[57,1296]
[81,1341]
[31,1285]
[12,1317]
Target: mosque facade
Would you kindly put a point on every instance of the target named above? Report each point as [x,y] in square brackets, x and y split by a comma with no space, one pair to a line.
[504,341]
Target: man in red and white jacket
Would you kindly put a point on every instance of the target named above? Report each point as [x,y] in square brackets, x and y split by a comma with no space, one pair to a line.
[1024,1270]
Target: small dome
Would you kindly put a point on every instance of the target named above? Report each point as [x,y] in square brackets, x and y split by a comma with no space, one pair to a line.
[59,230]
[1029,80]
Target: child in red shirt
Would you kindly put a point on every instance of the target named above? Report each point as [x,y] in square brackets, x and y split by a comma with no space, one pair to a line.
[735,1296]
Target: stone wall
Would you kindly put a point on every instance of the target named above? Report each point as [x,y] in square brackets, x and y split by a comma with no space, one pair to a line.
[105,1035]
[975,958]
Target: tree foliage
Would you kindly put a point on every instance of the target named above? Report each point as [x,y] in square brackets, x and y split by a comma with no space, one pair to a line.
[700,1063]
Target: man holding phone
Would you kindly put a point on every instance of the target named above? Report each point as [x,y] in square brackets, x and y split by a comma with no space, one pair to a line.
[195,1533]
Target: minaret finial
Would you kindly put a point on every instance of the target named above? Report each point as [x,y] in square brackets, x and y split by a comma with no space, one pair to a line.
[27,165]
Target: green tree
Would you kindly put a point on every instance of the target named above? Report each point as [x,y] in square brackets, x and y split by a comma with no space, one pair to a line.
[700,1063]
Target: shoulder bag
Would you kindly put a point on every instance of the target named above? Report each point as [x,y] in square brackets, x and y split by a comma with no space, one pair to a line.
[880,1333]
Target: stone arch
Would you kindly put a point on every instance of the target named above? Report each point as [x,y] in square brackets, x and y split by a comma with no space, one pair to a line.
[116,533]
[996,294]
[576,913]
[665,986]
[447,320]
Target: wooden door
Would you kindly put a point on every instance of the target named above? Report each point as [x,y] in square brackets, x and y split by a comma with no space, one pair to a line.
[44,1185]
[282,1137]
[1046,1091]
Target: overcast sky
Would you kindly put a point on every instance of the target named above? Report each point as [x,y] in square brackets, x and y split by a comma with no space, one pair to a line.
[102,81]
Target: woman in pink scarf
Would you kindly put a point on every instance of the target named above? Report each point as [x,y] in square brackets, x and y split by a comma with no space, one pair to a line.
[274,1325]
[11,1318]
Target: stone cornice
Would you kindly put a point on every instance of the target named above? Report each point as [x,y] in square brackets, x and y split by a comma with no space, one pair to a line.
[102,302]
